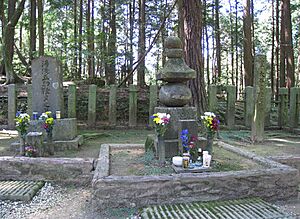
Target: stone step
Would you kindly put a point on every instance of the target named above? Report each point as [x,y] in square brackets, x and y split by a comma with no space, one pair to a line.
[253,208]
[19,190]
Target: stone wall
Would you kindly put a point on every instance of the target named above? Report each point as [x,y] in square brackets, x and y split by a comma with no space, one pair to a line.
[62,170]
[274,182]
[293,161]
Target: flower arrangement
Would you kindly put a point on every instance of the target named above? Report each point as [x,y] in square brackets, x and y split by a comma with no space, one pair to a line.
[210,122]
[188,142]
[22,123]
[161,120]
[30,151]
[48,121]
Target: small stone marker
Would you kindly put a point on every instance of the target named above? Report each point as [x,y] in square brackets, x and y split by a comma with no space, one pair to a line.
[72,101]
[12,105]
[47,86]
[92,105]
[36,140]
[212,98]
[152,102]
[113,105]
[19,190]
[283,107]
[230,112]
[294,107]
[132,105]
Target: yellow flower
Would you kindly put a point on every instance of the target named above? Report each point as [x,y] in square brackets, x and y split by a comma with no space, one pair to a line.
[49,121]
[48,113]
[156,120]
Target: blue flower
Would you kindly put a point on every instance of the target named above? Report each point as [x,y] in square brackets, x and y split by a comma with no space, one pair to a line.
[184,132]
[18,113]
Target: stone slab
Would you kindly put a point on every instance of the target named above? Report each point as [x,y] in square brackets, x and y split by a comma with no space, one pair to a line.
[200,169]
[19,190]
[47,86]
[62,170]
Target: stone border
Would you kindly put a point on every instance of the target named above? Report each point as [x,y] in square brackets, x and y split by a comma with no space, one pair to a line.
[62,170]
[293,161]
[276,182]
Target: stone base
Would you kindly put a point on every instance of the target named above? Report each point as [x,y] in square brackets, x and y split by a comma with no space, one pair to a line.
[63,129]
[172,134]
[58,145]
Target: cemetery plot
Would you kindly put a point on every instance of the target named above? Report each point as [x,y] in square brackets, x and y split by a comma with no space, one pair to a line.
[136,162]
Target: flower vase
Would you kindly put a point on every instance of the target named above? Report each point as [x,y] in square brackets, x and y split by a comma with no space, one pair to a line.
[209,144]
[161,148]
[50,145]
[22,144]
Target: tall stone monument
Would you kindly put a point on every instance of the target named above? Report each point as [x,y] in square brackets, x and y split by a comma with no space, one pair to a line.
[175,95]
[47,89]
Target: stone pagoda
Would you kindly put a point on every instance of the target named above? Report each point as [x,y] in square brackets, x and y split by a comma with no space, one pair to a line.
[175,95]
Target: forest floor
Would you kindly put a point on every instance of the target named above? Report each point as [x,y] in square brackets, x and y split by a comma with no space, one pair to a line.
[75,202]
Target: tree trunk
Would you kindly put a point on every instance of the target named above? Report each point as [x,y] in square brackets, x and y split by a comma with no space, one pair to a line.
[141,44]
[218,41]
[192,15]
[289,51]
[75,53]
[32,35]
[80,40]
[248,56]
[89,40]
[111,48]
[131,28]
[272,48]
[8,40]
[277,49]
[298,59]
[41,27]
[233,79]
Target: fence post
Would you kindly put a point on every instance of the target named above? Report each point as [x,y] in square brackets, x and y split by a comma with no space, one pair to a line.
[132,105]
[230,112]
[113,105]
[212,98]
[152,102]
[249,105]
[72,101]
[294,110]
[92,105]
[29,99]
[283,107]
[12,105]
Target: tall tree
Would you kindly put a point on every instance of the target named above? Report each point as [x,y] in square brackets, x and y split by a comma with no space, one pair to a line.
[75,34]
[32,35]
[110,70]
[248,56]
[90,38]
[192,16]
[218,41]
[40,6]
[131,30]
[272,48]
[8,39]
[142,43]
[80,39]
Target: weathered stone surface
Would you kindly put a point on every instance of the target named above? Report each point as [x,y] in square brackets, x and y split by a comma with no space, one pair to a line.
[294,107]
[230,112]
[275,182]
[192,127]
[175,94]
[212,98]
[29,100]
[283,107]
[133,105]
[36,140]
[63,129]
[12,105]
[92,105]
[152,102]
[293,161]
[113,105]
[65,170]
[249,105]
[72,101]
[102,167]
[47,86]
[176,113]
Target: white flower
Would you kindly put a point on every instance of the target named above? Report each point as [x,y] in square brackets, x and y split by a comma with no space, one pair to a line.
[23,115]
[210,114]
[43,116]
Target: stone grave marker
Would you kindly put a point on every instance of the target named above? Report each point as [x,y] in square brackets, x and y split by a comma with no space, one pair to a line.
[47,86]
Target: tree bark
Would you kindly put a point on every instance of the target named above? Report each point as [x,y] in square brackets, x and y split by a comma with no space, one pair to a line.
[272,48]
[41,27]
[32,35]
[218,41]
[111,47]
[141,44]
[131,23]
[248,56]
[192,16]
[80,40]
[8,40]
[75,34]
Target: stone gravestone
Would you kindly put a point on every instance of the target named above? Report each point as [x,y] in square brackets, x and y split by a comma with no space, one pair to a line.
[175,95]
[47,89]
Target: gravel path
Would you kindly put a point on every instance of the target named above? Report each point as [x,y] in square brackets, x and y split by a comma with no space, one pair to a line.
[55,202]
